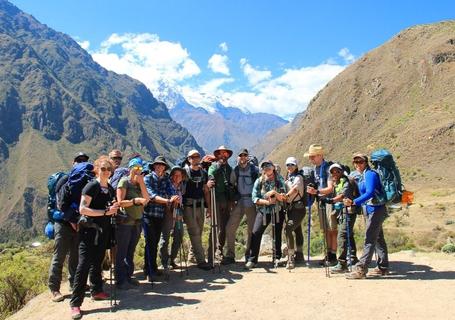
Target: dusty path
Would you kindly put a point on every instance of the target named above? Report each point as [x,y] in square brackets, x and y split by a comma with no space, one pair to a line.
[422,286]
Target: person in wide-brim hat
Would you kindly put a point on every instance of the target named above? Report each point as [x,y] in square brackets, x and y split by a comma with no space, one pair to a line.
[222,148]
[314,150]
[159,160]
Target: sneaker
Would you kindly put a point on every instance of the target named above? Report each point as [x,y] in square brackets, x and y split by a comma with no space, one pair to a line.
[76,313]
[227,260]
[358,273]
[379,272]
[250,265]
[204,266]
[100,296]
[133,282]
[291,263]
[298,257]
[57,296]
[339,268]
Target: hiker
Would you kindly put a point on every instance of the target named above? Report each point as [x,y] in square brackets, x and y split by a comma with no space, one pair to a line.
[196,193]
[242,177]
[116,157]
[268,190]
[324,186]
[132,196]
[373,197]
[96,207]
[66,241]
[295,195]
[343,188]
[162,196]
[219,178]
[176,176]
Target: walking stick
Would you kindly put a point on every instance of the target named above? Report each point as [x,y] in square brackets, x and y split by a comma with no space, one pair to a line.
[348,236]
[322,210]
[214,230]
[309,233]
[113,289]
[179,226]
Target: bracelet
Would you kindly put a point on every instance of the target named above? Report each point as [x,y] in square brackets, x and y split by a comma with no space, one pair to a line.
[105,211]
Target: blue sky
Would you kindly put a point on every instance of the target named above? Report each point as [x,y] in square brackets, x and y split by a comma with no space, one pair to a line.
[268,56]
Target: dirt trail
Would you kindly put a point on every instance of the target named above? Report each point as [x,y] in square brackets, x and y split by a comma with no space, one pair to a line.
[420,287]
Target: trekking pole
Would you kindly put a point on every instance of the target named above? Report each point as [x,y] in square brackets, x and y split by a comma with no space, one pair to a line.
[273,222]
[309,233]
[214,229]
[348,236]
[179,227]
[286,220]
[322,210]
[113,289]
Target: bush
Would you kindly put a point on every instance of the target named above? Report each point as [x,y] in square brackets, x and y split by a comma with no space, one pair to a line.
[448,248]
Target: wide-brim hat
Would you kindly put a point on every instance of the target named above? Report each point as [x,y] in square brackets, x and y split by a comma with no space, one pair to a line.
[314,150]
[222,148]
[159,160]
[178,168]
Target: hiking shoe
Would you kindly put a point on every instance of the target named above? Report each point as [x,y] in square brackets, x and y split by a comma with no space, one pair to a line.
[250,265]
[358,273]
[173,266]
[133,282]
[227,260]
[57,296]
[339,268]
[291,263]
[204,266]
[100,296]
[379,272]
[76,313]
[298,257]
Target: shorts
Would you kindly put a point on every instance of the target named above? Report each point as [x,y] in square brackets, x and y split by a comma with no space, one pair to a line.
[332,223]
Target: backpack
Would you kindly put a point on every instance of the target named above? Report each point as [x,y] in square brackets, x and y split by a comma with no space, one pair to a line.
[384,164]
[53,214]
[69,195]
[253,160]
[254,172]
[119,173]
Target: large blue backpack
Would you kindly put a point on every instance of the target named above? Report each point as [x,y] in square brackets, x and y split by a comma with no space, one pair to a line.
[69,195]
[53,213]
[384,164]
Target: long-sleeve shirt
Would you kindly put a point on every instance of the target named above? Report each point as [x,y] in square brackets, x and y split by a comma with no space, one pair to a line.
[369,187]
[157,186]
[261,187]
[222,175]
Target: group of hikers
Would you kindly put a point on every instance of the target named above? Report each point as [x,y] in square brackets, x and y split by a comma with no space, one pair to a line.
[103,206]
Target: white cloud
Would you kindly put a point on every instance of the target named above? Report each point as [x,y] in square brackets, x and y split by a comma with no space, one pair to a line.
[223,46]
[84,44]
[218,63]
[346,55]
[253,75]
[147,58]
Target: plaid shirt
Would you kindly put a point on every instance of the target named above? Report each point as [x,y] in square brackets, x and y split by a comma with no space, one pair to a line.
[157,186]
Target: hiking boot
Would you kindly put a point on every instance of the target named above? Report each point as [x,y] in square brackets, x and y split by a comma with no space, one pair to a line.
[204,266]
[134,282]
[378,272]
[57,296]
[339,268]
[227,260]
[358,273]
[173,266]
[298,257]
[250,265]
[100,296]
[76,313]
[291,263]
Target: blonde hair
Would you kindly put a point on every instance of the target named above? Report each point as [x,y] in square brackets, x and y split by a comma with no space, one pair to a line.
[102,160]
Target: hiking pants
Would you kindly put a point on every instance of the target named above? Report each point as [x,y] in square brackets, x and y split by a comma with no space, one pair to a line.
[90,258]
[293,221]
[194,220]
[233,223]
[153,227]
[169,229]
[342,238]
[298,232]
[258,231]
[222,217]
[127,239]
[374,240]
[66,243]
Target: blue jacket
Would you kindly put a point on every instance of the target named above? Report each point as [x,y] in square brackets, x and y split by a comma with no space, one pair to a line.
[370,189]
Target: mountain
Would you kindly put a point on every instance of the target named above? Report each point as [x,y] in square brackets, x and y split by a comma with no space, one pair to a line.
[55,100]
[216,124]
[401,96]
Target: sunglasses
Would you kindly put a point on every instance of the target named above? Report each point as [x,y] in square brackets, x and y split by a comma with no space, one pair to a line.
[290,165]
[117,158]
[195,157]
[104,169]
[243,155]
[137,168]
[358,161]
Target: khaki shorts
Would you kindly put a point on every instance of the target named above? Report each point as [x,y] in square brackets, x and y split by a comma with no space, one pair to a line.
[331,215]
